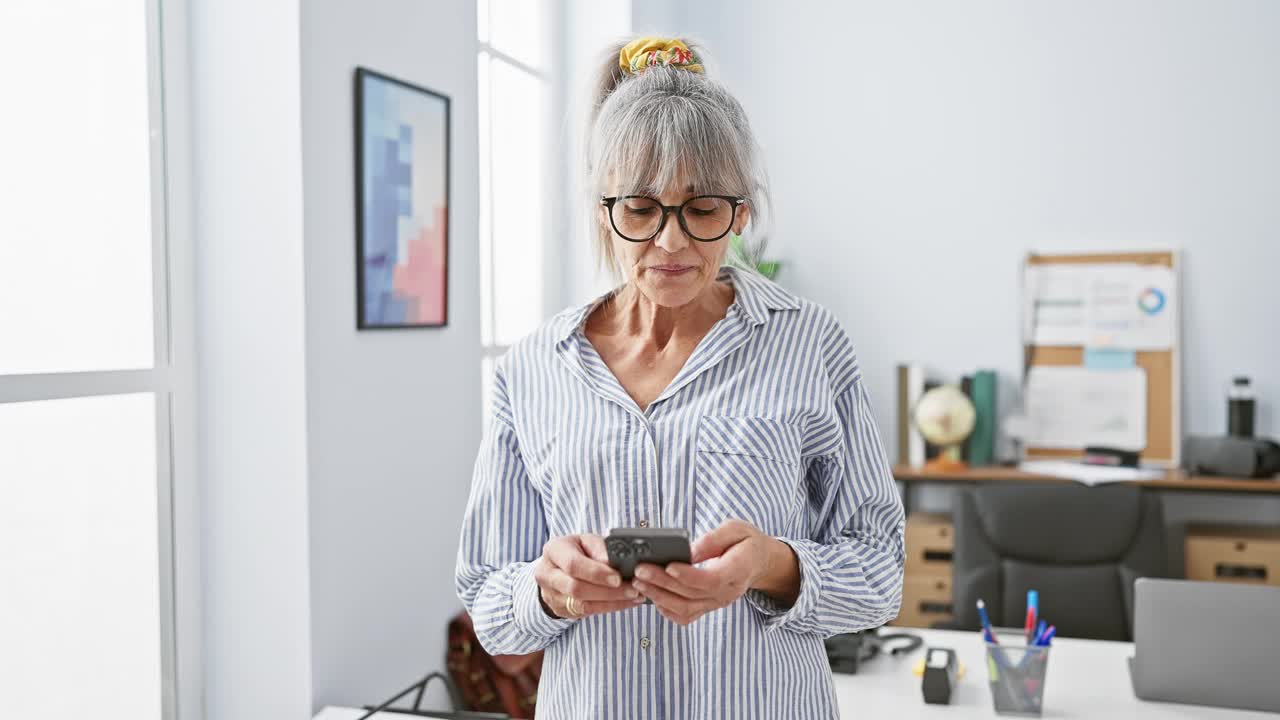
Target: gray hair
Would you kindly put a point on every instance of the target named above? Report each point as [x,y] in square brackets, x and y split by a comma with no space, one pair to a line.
[648,131]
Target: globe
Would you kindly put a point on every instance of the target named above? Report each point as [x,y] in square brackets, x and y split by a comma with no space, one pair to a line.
[945,418]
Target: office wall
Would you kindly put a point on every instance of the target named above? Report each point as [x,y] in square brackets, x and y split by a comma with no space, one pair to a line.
[251,357]
[587,28]
[919,150]
[394,416]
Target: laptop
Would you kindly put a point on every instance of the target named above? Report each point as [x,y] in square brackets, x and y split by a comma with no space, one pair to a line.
[1207,643]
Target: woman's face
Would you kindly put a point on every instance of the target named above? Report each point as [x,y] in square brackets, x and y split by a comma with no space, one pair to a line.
[672,269]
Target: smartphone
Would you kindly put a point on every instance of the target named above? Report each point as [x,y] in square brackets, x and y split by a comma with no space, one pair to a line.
[629,547]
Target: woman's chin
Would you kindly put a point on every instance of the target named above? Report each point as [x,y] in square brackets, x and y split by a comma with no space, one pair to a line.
[672,289]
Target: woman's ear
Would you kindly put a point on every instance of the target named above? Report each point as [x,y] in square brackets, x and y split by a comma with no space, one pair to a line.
[741,219]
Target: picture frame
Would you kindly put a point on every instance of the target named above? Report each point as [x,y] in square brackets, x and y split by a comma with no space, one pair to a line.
[402,164]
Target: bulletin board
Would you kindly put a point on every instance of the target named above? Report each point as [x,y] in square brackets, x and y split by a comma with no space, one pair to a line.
[1163,421]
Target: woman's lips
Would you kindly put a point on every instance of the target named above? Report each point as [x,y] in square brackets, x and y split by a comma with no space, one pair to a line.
[671,269]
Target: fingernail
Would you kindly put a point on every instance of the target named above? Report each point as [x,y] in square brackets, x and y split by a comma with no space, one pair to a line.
[632,594]
[614,581]
[640,586]
[638,600]
[643,573]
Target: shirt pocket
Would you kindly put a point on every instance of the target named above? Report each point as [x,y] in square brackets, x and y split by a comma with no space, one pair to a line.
[748,468]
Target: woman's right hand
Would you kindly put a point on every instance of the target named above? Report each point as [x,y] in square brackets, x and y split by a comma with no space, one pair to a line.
[577,566]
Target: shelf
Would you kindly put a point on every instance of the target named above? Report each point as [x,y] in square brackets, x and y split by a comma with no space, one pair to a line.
[1173,479]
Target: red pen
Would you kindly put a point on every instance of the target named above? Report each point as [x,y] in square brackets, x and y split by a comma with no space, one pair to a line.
[1033,603]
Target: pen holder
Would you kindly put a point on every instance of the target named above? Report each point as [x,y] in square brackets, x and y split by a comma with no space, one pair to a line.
[1016,675]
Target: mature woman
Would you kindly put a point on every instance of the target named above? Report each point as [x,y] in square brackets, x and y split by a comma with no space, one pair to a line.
[697,395]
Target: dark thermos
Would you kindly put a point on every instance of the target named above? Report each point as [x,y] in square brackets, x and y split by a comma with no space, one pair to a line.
[1240,408]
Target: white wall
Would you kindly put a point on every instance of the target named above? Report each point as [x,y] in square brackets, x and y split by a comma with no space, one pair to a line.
[919,150]
[587,29]
[251,359]
[394,416]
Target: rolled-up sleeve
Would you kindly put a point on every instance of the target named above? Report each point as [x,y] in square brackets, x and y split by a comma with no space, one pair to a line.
[851,565]
[503,531]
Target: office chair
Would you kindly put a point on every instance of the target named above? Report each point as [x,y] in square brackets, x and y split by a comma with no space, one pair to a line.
[1081,547]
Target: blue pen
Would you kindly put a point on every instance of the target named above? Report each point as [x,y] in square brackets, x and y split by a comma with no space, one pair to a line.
[986,623]
[1047,640]
[1035,642]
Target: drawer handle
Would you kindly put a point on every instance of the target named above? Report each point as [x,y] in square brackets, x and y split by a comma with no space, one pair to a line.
[935,607]
[937,555]
[1240,572]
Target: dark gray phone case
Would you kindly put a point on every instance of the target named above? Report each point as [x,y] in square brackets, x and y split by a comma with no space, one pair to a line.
[629,547]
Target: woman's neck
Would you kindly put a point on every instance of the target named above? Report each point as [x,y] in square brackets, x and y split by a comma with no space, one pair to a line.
[629,312]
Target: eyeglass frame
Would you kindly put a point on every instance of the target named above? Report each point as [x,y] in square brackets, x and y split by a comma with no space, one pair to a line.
[736,201]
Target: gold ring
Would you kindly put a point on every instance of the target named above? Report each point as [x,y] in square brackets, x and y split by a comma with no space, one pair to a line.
[571,604]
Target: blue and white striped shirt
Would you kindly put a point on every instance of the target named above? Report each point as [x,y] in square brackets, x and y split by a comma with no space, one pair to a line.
[768,422]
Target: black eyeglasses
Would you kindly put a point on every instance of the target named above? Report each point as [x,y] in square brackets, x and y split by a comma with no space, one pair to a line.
[705,218]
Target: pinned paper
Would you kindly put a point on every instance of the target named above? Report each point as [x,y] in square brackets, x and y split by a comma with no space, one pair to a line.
[1109,359]
[1123,305]
[1073,407]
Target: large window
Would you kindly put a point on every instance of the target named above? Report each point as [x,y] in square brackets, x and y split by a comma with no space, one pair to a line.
[514,176]
[88,374]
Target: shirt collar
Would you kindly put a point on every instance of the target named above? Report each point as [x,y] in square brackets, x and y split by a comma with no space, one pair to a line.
[754,297]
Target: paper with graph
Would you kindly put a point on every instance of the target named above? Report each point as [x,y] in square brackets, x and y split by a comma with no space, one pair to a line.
[1125,305]
[1075,407]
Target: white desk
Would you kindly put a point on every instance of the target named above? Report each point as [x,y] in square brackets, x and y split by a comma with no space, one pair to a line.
[1086,679]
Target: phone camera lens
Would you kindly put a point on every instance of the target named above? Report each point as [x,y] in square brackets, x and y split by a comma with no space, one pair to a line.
[621,548]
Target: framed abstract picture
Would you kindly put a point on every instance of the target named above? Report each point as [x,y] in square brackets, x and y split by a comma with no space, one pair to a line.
[402,203]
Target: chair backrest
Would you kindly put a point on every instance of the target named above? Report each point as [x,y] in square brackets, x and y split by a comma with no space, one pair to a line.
[1081,547]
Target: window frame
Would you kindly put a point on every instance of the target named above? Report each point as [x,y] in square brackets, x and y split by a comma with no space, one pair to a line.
[171,378]
[487,53]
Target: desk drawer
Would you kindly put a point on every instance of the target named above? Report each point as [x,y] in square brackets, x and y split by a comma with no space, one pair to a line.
[930,539]
[1233,554]
[926,599]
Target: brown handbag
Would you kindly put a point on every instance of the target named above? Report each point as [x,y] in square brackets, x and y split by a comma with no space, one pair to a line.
[491,683]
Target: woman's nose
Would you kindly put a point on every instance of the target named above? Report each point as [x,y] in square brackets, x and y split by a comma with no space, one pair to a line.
[672,238]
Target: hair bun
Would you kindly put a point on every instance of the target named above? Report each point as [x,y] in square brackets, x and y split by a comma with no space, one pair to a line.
[646,52]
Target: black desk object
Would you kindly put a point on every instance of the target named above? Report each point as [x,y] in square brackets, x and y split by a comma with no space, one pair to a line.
[417,711]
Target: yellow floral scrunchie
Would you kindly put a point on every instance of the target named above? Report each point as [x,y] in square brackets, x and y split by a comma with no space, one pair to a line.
[646,52]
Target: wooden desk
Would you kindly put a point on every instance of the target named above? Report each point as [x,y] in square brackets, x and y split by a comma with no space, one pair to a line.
[1173,479]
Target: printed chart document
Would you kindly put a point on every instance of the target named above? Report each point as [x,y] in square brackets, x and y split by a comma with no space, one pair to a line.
[1074,407]
[1124,305]
[1055,304]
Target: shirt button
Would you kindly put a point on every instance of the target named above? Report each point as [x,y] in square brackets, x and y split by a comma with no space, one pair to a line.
[644,643]
[643,523]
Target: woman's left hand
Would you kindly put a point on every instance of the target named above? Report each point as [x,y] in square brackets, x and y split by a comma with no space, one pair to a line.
[738,557]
